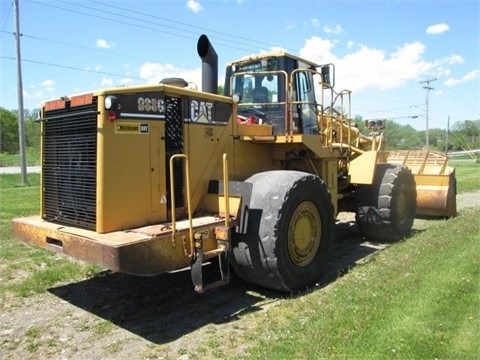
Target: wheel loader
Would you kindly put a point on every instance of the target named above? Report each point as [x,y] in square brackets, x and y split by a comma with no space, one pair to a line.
[150,179]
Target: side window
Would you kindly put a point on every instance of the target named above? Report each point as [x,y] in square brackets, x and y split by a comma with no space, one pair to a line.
[303,87]
[307,109]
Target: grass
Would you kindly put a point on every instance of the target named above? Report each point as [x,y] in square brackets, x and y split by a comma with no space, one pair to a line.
[419,299]
[32,156]
[468,176]
[26,270]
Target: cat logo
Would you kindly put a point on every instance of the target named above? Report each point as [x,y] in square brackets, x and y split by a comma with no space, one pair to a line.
[201,111]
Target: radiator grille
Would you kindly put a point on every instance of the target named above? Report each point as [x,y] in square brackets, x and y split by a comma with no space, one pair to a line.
[174,145]
[69,166]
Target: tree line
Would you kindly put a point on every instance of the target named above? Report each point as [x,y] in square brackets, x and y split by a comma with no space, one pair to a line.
[463,135]
[9,130]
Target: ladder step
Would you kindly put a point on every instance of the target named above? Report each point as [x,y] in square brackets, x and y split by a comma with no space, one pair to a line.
[218,251]
[223,264]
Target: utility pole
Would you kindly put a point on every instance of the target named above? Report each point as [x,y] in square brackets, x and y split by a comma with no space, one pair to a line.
[21,123]
[446,138]
[428,88]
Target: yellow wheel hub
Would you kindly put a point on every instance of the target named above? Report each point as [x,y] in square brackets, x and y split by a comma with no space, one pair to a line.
[304,233]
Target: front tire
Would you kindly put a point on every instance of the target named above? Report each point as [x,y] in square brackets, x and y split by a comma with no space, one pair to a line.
[289,233]
[386,209]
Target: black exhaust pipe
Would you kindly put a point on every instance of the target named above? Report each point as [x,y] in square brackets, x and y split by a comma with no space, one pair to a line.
[209,64]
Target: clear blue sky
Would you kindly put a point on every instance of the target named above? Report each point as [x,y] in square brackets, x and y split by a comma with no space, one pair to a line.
[382,49]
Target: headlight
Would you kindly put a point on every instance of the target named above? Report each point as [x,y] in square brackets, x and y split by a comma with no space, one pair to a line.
[111,103]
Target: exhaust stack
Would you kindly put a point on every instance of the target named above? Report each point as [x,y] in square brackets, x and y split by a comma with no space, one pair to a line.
[209,64]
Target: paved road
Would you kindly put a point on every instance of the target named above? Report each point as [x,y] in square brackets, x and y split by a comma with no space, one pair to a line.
[17,170]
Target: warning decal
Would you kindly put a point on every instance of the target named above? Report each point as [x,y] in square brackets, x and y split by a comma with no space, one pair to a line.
[131,128]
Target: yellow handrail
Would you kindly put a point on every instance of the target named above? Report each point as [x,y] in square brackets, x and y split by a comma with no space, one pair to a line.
[226,193]
[172,198]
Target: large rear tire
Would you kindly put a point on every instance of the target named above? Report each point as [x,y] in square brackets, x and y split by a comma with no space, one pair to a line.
[289,233]
[386,209]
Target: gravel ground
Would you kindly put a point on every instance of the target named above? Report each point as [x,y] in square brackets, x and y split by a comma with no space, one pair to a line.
[115,316]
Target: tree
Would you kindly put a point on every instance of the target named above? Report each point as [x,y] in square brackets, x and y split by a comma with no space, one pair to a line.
[9,131]
[436,138]
[360,124]
[465,135]
[32,129]
[401,137]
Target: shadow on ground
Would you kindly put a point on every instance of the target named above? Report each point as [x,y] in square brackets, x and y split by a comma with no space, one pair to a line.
[164,308]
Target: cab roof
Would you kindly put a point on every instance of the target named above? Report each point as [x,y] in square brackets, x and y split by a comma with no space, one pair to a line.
[269,55]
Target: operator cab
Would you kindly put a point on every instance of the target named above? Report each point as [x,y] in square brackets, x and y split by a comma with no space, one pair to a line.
[279,89]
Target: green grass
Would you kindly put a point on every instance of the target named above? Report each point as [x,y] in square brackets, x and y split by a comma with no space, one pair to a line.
[26,270]
[468,177]
[14,180]
[419,299]
[32,156]
[18,200]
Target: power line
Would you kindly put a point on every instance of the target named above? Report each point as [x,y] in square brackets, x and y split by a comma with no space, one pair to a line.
[460,100]
[203,29]
[73,68]
[70,44]
[190,34]
[391,109]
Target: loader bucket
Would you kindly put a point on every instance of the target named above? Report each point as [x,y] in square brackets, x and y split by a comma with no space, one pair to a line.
[435,181]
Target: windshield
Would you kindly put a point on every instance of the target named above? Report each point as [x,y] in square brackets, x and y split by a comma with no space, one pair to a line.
[262,98]
[256,88]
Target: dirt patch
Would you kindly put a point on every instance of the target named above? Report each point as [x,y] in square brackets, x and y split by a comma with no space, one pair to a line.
[119,316]
[116,316]
[468,200]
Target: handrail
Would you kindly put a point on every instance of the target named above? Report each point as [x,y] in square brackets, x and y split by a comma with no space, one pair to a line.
[341,119]
[172,198]
[226,192]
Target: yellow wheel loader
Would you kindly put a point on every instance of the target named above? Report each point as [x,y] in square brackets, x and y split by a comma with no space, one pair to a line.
[150,179]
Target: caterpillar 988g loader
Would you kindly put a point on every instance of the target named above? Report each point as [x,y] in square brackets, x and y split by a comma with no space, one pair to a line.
[150,179]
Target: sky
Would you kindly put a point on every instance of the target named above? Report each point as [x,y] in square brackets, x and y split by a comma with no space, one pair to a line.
[384,51]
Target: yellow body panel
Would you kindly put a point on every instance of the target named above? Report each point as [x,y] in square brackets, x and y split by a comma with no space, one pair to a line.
[131,186]
[252,130]
[362,169]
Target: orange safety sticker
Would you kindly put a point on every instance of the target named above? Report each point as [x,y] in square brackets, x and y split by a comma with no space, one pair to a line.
[54,105]
[80,100]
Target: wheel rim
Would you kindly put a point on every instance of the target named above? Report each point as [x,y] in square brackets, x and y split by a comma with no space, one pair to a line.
[304,233]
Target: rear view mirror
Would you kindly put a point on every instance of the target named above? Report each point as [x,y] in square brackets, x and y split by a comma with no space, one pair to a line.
[328,75]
